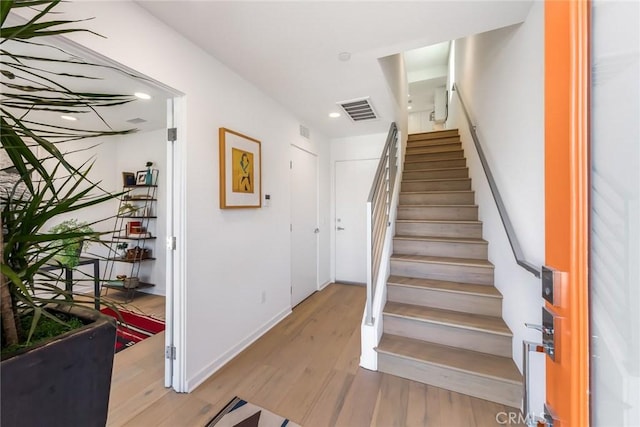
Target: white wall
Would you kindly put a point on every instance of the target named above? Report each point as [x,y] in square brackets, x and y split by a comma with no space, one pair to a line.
[99,153]
[395,73]
[500,75]
[420,122]
[232,256]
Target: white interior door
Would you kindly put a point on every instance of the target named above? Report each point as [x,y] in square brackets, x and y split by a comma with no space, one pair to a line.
[353,182]
[304,224]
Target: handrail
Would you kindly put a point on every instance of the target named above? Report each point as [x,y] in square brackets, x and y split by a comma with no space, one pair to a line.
[504,216]
[378,205]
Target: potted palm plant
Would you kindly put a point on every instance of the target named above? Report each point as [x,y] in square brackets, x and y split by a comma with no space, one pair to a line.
[63,379]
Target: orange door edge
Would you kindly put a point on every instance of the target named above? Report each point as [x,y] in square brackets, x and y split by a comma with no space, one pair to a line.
[567,106]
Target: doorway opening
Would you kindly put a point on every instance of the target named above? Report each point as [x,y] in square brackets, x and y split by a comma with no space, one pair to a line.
[152,207]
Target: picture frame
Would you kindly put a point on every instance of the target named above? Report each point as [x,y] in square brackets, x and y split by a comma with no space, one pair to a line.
[240,170]
[128,179]
[141,177]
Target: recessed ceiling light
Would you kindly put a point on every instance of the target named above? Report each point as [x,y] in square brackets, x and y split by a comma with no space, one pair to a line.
[334,115]
[142,95]
[73,119]
[344,56]
[409,107]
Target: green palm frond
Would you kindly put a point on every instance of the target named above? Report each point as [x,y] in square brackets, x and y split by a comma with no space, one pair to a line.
[48,185]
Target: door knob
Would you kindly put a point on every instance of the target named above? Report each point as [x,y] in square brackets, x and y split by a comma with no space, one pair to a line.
[317,230]
[340,228]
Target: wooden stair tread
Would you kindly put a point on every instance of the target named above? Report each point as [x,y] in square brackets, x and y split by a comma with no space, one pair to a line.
[445,286]
[476,322]
[471,240]
[409,205]
[437,169]
[440,221]
[443,260]
[445,150]
[473,362]
[436,191]
[440,146]
[433,134]
[424,143]
[408,160]
[437,180]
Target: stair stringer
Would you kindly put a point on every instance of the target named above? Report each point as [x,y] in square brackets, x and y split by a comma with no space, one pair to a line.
[370,335]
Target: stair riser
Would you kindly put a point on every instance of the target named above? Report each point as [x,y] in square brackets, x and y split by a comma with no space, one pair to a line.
[453,336]
[438,164]
[457,213]
[439,229]
[433,135]
[466,303]
[494,390]
[443,249]
[427,142]
[437,174]
[448,272]
[466,198]
[459,184]
[449,154]
[433,148]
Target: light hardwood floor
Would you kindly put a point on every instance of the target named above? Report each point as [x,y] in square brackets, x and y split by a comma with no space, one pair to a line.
[149,304]
[305,368]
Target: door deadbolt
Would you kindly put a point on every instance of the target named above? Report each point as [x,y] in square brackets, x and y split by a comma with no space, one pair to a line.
[548,329]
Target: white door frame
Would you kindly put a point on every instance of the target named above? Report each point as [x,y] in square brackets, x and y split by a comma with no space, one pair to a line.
[175,315]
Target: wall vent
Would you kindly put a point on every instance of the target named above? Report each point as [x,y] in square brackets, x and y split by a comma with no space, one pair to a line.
[359,109]
[304,131]
[136,121]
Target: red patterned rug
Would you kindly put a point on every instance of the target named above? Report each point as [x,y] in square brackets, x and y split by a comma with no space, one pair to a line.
[133,327]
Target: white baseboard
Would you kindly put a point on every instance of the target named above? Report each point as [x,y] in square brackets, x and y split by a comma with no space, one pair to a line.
[321,287]
[217,364]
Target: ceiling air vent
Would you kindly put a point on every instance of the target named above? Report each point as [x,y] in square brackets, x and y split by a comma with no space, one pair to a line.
[136,121]
[359,109]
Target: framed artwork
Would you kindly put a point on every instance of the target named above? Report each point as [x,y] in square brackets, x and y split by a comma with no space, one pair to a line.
[240,171]
[147,177]
[141,177]
[128,178]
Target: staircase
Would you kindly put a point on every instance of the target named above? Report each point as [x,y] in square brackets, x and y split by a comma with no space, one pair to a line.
[442,320]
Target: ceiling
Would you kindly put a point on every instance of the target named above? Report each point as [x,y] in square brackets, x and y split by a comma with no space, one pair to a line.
[290,49]
[107,78]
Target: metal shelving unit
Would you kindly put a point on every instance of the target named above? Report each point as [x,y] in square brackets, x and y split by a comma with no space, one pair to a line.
[133,225]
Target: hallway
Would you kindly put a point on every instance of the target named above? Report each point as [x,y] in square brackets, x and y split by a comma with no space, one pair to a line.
[305,368]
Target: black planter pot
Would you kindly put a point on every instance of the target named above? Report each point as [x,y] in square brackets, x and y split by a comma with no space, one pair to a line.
[64,382]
